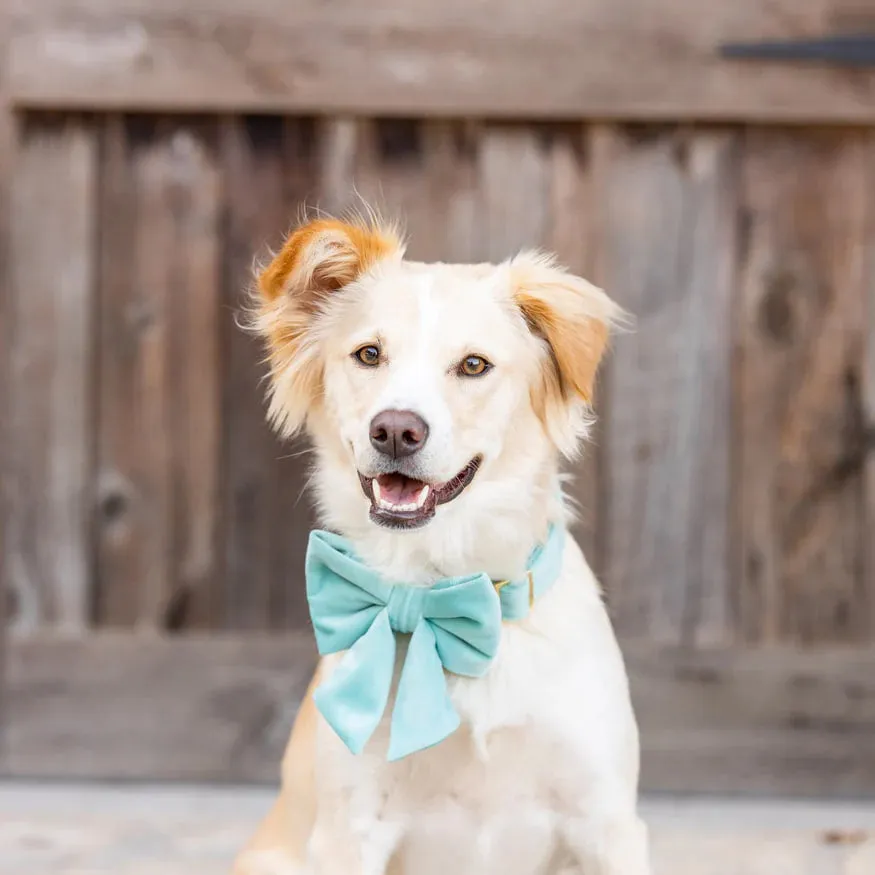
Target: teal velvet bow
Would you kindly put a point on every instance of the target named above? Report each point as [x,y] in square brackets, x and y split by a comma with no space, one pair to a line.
[455,624]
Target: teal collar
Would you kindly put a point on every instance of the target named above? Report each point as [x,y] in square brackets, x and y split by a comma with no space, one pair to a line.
[455,625]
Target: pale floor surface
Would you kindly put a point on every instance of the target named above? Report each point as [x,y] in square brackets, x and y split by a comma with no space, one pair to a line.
[49,829]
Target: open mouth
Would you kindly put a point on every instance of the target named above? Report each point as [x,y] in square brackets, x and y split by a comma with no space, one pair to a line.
[402,502]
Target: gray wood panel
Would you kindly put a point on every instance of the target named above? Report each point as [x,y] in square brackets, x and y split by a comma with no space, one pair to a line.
[270,169]
[668,256]
[572,233]
[130,705]
[47,543]
[632,59]
[160,412]
[7,152]
[800,387]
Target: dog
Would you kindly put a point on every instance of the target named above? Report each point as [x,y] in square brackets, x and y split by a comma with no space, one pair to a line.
[440,400]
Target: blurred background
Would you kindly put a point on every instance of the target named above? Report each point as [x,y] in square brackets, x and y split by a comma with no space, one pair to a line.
[721,189]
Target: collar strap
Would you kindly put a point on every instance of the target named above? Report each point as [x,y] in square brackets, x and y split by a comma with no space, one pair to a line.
[544,566]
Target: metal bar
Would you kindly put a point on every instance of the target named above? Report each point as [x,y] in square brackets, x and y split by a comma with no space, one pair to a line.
[849,50]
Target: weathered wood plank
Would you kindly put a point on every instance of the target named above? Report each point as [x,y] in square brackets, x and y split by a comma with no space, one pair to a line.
[339,143]
[53,219]
[774,721]
[515,183]
[197,299]
[668,258]
[159,373]
[799,405]
[269,168]
[572,235]
[422,174]
[186,708]
[494,59]
[218,708]
[7,151]
[119,538]
[868,407]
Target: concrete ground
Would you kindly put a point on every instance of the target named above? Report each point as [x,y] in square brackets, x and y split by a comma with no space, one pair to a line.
[48,829]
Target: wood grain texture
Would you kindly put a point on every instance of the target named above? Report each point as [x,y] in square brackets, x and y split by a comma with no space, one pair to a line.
[774,720]
[129,705]
[53,219]
[120,516]
[515,182]
[495,59]
[800,405]
[269,167]
[219,708]
[7,151]
[339,143]
[572,234]
[422,174]
[668,257]
[868,410]
[159,375]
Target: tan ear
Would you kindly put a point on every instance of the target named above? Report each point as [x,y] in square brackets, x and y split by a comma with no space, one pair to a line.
[325,255]
[574,318]
[316,261]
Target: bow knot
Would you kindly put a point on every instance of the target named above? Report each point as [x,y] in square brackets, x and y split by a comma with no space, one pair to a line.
[406,607]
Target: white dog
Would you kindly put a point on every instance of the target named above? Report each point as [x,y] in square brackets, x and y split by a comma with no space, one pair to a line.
[440,399]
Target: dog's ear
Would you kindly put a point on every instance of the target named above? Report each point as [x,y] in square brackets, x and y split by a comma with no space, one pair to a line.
[322,256]
[573,318]
[316,261]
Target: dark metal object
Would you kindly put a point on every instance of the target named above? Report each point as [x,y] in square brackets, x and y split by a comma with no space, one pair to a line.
[847,50]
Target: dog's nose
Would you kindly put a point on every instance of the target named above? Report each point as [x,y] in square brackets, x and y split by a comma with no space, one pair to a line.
[398,433]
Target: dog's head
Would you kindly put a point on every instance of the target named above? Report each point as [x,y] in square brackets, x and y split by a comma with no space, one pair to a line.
[425,385]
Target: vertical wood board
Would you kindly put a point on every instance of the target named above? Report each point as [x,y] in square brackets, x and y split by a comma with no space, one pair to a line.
[572,234]
[668,248]
[159,375]
[7,151]
[53,225]
[268,166]
[800,408]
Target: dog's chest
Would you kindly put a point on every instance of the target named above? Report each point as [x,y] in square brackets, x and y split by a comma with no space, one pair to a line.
[498,815]
[492,797]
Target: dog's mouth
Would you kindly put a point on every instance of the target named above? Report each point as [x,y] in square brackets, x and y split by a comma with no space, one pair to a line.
[402,502]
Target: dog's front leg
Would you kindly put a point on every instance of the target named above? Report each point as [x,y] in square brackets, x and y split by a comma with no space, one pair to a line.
[610,846]
[353,846]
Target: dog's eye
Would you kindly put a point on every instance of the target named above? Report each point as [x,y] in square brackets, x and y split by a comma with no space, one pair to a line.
[368,355]
[473,366]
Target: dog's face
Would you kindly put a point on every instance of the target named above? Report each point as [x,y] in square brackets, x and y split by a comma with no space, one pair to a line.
[424,382]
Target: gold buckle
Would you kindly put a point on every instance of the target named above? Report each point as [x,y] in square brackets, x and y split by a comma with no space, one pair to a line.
[500,584]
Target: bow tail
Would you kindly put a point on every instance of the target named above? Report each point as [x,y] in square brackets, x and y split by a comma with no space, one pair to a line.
[354,697]
[423,715]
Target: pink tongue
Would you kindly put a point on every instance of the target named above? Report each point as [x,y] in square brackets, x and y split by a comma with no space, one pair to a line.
[398,489]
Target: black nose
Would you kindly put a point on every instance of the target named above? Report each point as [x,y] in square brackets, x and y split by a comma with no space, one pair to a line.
[398,433]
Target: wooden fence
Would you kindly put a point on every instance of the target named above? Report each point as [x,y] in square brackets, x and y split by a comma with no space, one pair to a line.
[153,527]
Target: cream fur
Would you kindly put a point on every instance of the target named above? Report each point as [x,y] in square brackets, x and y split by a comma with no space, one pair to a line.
[542,776]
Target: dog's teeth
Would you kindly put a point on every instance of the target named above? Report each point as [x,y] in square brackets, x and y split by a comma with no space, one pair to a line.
[408,507]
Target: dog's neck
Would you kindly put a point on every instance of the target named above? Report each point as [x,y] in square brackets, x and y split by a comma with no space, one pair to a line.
[491,529]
